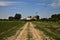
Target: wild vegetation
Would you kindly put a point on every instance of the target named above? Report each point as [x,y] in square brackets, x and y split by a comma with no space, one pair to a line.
[9,28]
[51,29]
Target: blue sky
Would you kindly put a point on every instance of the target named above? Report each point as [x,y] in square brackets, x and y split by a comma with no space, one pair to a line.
[45,8]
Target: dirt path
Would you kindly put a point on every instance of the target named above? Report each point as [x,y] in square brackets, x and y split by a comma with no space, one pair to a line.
[37,34]
[28,32]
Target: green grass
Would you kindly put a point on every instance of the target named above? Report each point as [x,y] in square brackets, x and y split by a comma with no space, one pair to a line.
[6,25]
[49,28]
[29,34]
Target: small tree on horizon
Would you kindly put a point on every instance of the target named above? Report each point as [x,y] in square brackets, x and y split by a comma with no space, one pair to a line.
[37,17]
[17,16]
[11,18]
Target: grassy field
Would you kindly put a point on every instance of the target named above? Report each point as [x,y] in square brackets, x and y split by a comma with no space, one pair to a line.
[9,28]
[49,28]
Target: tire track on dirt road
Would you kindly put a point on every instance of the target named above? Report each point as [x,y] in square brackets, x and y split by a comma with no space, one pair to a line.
[23,33]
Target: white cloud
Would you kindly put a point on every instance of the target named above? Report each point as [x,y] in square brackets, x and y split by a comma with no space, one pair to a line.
[3,3]
[6,3]
[55,3]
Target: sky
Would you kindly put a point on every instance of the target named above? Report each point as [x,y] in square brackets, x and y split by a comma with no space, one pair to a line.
[43,8]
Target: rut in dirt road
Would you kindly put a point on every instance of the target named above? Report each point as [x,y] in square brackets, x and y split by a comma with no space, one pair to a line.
[28,32]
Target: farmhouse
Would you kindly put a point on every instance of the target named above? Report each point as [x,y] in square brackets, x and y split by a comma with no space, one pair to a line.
[31,18]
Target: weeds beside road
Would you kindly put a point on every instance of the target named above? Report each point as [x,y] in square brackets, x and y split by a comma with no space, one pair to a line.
[9,28]
[49,28]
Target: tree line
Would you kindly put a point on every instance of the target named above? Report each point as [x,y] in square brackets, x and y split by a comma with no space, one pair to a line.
[54,17]
[16,17]
[11,18]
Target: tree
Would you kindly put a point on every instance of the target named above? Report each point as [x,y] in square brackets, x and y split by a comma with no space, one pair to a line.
[17,16]
[37,17]
[11,18]
[55,17]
